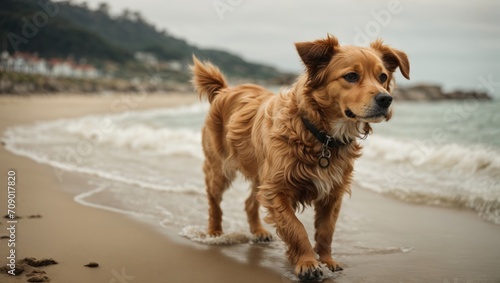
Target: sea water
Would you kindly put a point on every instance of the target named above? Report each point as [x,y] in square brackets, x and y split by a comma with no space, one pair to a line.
[148,164]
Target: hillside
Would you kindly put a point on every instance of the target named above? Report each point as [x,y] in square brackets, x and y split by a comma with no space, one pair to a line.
[96,36]
[57,38]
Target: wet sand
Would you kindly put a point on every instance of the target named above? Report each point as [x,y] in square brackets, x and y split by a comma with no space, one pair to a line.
[447,245]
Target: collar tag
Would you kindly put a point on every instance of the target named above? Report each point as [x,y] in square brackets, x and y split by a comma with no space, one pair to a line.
[327,142]
[324,159]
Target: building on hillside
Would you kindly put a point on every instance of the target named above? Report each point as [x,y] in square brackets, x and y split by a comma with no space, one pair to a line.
[61,68]
[22,62]
[86,71]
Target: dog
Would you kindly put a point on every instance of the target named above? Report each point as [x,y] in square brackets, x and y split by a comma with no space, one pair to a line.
[298,147]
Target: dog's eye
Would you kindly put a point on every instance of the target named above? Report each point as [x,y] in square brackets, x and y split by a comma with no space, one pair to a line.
[383,78]
[351,77]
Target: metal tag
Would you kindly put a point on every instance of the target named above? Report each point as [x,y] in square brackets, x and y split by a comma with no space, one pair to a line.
[324,159]
[324,162]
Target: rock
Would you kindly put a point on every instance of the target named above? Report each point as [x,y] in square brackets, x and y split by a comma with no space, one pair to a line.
[39,279]
[426,92]
[31,261]
[92,264]
[36,272]
[7,216]
[18,270]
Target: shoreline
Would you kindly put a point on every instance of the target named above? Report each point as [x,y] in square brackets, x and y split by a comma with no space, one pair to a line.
[443,244]
[75,235]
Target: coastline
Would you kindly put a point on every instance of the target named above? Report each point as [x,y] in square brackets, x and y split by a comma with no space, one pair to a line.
[445,244]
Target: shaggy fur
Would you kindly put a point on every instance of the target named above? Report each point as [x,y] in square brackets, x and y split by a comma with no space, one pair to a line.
[251,130]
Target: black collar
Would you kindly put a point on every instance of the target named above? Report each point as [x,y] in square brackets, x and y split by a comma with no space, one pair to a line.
[323,137]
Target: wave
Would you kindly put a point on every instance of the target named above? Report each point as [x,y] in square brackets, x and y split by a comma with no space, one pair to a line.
[416,153]
[136,131]
[138,148]
[446,175]
[143,138]
[105,145]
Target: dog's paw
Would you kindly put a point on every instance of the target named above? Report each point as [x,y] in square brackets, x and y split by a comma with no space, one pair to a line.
[262,236]
[308,270]
[332,264]
[215,233]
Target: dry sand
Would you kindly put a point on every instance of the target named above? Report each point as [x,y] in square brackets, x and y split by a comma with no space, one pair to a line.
[449,245]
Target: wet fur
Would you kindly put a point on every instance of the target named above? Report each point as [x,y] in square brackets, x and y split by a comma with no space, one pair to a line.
[251,130]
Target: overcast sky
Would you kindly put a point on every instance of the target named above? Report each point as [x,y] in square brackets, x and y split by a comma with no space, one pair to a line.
[455,43]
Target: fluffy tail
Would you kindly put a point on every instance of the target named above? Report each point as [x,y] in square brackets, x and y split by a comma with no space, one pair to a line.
[207,79]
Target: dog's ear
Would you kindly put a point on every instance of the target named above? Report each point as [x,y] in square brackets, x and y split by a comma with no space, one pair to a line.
[316,55]
[392,58]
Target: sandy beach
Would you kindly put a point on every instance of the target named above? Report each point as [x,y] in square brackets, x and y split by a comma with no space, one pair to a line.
[75,235]
[444,245]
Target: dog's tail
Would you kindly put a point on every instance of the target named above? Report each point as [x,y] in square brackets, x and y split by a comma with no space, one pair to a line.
[207,79]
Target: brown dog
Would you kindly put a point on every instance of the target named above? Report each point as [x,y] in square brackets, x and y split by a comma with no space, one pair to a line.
[298,147]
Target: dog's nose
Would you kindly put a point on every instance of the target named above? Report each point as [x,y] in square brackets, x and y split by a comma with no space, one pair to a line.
[383,100]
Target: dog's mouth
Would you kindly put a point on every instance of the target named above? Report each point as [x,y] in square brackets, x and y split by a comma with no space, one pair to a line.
[350,114]
[376,117]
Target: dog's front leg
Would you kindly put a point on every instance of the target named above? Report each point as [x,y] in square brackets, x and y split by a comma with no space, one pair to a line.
[327,212]
[288,227]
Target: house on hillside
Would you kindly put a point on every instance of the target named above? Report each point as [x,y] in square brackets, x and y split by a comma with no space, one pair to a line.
[22,62]
[85,71]
[61,68]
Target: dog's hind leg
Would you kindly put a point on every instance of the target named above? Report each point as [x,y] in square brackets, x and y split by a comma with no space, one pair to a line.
[217,181]
[260,234]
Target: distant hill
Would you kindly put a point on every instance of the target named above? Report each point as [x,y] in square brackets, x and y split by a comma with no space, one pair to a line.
[59,37]
[95,35]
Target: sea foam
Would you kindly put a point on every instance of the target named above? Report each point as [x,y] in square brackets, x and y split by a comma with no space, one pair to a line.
[449,175]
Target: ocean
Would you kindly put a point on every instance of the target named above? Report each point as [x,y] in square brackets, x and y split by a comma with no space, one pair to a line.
[148,164]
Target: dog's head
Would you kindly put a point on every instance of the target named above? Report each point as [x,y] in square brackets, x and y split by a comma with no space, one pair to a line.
[354,81]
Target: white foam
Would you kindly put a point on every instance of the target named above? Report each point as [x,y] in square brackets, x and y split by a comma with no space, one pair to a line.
[465,159]
[198,234]
[165,141]
[448,175]
[111,131]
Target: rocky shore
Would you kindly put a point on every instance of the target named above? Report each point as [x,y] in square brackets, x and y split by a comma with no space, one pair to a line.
[24,84]
[430,92]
